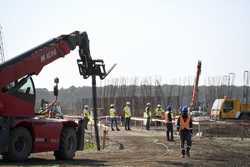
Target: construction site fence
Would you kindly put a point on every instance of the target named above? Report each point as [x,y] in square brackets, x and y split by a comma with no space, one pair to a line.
[203,128]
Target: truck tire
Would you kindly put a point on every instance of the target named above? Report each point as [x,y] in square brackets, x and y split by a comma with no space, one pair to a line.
[68,144]
[20,145]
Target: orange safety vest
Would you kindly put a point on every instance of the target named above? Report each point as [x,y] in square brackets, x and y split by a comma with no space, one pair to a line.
[184,124]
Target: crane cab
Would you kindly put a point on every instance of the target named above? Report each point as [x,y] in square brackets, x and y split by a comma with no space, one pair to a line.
[20,94]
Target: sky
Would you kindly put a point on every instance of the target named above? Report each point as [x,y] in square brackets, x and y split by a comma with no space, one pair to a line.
[164,38]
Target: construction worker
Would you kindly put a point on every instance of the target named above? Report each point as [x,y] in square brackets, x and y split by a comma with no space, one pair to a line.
[148,115]
[169,123]
[113,114]
[86,115]
[184,126]
[158,114]
[51,109]
[127,115]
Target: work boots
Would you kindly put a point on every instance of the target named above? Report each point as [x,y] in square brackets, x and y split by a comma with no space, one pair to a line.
[188,152]
[183,153]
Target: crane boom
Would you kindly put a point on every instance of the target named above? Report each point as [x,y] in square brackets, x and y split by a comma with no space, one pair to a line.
[195,87]
[32,61]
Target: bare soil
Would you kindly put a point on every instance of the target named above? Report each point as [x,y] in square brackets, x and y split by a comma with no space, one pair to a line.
[149,148]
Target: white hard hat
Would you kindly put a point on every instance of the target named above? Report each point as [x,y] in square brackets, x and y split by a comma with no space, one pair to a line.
[111,105]
[128,103]
[158,105]
[148,104]
[86,106]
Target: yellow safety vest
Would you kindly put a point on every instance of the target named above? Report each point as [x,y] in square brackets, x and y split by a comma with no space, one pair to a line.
[184,124]
[158,111]
[86,113]
[127,111]
[148,113]
[112,112]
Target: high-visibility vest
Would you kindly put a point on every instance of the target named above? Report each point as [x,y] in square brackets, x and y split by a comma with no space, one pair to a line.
[184,124]
[86,113]
[127,111]
[148,112]
[158,111]
[112,112]
[167,119]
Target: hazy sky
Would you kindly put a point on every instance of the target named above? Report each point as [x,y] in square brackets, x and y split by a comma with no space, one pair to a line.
[144,37]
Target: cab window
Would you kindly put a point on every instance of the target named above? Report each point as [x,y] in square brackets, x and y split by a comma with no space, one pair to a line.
[27,88]
[22,88]
[228,106]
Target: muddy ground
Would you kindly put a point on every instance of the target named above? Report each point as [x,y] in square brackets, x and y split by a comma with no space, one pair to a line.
[149,148]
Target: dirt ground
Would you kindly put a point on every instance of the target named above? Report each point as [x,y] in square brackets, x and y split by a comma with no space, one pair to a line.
[149,148]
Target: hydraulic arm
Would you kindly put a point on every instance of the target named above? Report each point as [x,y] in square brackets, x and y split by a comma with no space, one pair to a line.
[195,87]
[32,61]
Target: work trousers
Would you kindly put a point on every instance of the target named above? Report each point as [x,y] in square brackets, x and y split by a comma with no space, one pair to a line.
[86,121]
[185,136]
[127,123]
[169,131]
[158,123]
[114,121]
[148,124]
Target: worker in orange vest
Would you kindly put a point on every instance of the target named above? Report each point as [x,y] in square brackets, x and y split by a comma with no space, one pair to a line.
[184,126]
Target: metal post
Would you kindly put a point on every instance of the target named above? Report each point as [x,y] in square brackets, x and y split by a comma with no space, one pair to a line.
[94,94]
[245,86]
[231,83]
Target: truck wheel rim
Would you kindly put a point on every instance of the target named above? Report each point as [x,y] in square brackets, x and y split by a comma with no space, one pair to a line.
[19,144]
[71,143]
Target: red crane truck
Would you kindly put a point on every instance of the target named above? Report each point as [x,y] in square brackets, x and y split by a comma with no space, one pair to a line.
[22,131]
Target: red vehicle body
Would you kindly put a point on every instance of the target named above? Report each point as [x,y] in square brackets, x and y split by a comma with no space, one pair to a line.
[22,131]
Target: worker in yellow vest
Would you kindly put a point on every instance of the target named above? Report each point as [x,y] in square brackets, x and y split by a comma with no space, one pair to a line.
[113,114]
[86,115]
[184,126]
[127,115]
[158,114]
[159,111]
[147,115]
